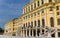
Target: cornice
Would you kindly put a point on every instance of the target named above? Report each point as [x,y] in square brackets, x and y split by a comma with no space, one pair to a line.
[30,3]
[42,6]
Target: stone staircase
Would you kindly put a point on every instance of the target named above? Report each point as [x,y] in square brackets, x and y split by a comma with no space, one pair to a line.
[49,31]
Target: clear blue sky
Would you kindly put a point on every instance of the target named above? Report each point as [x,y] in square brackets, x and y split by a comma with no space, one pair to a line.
[10,9]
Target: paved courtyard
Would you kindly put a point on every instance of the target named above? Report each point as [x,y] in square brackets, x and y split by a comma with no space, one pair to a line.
[4,36]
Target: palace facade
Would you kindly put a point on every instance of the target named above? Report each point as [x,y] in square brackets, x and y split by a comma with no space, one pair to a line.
[39,17]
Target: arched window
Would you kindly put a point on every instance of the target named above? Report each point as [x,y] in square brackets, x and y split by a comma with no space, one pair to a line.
[38,23]
[35,23]
[43,22]
[31,24]
[52,22]
[26,24]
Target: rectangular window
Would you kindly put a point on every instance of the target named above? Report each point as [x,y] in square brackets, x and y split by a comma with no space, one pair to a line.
[42,10]
[31,15]
[43,23]
[35,14]
[58,21]
[52,22]
[57,7]
[51,8]
[38,12]
[24,25]
[26,9]
[34,5]
[31,7]
[38,3]
[57,13]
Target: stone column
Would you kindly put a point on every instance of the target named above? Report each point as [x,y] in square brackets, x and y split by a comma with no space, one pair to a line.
[24,32]
[36,32]
[36,28]
[40,31]
[49,33]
